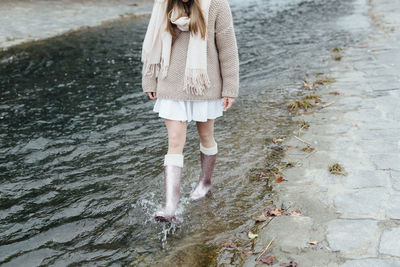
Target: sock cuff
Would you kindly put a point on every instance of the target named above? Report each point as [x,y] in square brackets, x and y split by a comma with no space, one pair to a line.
[174,159]
[209,151]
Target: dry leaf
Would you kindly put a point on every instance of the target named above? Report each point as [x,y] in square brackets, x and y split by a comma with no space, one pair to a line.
[275,140]
[290,264]
[334,93]
[295,213]
[228,245]
[308,85]
[289,147]
[363,46]
[290,165]
[279,180]
[308,149]
[268,260]
[316,244]
[275,212]
[263,175]
[251,235]
[261,218]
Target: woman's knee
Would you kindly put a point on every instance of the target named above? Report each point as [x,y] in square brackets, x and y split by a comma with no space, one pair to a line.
[176,139]
[206,135]
[207,138]
[176,133]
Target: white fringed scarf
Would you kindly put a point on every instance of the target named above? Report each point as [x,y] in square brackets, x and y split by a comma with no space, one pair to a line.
[157,44]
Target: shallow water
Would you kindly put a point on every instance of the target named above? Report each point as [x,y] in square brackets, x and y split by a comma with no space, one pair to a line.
[81,151]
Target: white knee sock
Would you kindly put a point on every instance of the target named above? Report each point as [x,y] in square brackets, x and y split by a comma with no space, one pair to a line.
[209,151]
[174,159]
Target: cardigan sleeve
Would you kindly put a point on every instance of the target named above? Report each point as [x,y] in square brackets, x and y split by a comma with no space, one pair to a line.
[227,50]
[149,82]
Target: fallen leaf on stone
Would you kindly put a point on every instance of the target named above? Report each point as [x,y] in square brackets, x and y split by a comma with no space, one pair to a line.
[288,147]
[308,85]
[334,93]
[251,235]
[268,260]
[228,245]
[279,180]
[261,218]
[275,140]
[285,164]
[316,244]
[308,149]
[363,46]
[290,264]
[275,212]
[372,50]
[245,253]
[294,213]
[263,175]
[277,148]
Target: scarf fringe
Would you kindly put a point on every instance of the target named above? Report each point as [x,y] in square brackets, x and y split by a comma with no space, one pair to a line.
[155,69]
[164,68]
[151,69]
[196,81]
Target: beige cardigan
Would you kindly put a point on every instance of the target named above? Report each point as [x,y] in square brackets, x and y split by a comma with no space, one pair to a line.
[222,60]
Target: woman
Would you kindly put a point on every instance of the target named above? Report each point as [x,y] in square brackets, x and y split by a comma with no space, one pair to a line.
[191,68]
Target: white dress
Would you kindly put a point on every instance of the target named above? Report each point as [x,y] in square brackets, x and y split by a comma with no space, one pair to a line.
[185,110]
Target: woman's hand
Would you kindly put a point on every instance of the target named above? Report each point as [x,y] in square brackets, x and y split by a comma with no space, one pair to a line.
[228,101]
[152,95]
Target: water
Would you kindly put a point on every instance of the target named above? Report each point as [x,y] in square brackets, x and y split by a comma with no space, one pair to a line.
[81,152]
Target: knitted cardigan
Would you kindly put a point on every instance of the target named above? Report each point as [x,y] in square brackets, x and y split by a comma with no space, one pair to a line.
[222,60]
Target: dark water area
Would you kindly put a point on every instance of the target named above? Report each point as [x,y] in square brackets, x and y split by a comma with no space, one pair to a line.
[81,151]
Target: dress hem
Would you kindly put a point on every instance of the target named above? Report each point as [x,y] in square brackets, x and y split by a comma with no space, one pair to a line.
[165,117]
[186,110]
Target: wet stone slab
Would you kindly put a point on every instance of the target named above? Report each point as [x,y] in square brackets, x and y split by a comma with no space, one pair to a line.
[393,211]
[390,242]
[354,238]
[292,232]
[386,161]
[371,263]
[362,204]
[359,179]
[395,178]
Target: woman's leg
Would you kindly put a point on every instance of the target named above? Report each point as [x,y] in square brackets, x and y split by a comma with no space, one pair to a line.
[206,133]
[176,136]
[173,165]
[208,155]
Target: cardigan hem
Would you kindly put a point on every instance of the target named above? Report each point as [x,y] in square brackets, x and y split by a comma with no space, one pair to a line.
[188,98]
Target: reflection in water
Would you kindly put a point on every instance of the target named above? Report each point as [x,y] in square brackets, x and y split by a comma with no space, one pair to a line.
[81,151]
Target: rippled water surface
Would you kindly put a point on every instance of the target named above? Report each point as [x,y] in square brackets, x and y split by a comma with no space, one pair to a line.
[81,151]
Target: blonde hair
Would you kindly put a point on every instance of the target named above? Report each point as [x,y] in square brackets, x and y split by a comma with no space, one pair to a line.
[197,20]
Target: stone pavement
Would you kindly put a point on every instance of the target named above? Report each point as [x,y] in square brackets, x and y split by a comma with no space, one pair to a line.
[356,218]
[22,20]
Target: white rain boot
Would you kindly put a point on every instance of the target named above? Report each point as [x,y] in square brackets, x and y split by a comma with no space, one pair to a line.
[173,165]
[208,157]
